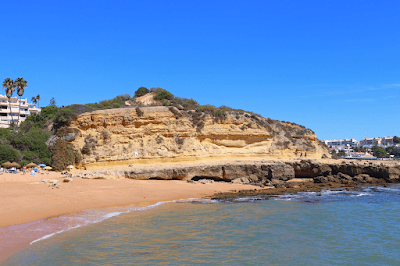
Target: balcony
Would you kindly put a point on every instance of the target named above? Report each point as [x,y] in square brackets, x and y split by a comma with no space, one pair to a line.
[4,111]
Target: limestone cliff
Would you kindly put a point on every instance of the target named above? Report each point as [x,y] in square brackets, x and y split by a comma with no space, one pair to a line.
[151,134]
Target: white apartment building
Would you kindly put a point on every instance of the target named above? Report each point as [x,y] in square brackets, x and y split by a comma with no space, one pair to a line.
[341,142]
[19,108]
[369,142]
[387,141]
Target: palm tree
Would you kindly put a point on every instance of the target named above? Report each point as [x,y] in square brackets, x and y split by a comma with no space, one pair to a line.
[20,84]
[9,85]
[33,99]
[37,99]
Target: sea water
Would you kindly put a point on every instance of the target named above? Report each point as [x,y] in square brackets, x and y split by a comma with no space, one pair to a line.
[332,227]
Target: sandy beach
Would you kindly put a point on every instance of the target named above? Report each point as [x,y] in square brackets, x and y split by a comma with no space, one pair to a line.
[24,199]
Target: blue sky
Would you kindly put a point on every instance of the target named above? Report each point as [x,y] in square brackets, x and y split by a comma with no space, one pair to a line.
[332,67]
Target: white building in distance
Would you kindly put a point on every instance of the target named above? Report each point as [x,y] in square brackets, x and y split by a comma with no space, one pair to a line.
[369,142]
[341,142]
[19,109]
[365,142]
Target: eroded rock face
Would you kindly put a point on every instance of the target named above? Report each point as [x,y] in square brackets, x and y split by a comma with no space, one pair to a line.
[277,174]
[124,136]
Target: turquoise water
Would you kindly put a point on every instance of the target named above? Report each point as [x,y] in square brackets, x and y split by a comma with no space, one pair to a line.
[335,227]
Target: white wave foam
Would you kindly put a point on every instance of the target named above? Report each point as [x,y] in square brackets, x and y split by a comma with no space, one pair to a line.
[388,189]
[246,199]
[361,194]
[287,197]
[109,215]
[52,234]
[327,192]
[92,216]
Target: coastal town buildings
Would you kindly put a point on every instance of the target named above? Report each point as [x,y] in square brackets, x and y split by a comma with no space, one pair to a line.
[369,142]
[381,142]
[385,148]
[341,142]
[14,110]
[365,142]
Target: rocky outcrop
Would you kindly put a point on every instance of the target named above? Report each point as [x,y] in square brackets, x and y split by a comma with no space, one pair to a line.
[347,170]
[277,174]
[161,134]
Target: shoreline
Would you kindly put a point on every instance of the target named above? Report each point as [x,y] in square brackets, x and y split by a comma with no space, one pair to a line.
[304,187]
[23,235]
[26,202]
[26,240]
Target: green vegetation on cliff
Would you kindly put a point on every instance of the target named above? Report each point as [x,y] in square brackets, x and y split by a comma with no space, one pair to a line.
[43,138]
[28,144]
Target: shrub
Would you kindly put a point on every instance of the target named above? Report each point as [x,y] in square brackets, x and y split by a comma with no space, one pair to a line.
[7,153]
[64,116]
[49,111]
[80,108]
[379,152]
[67,133]
[33,141]
[105,135]
[198,121]
[165,102]
[163,94]
[141,91]
[218,114]
[206,108]
[40,121]
[86,149]
[5,134]
[63,154]
[154,89]
[125,97]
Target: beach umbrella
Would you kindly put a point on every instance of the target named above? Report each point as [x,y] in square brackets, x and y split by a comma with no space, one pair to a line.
[47,168]
[31,165]
[70,166]
[16,165]
[42,165]
[6,164]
